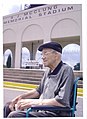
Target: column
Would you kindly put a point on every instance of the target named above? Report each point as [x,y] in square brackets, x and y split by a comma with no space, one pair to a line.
[81,54]
[18,52]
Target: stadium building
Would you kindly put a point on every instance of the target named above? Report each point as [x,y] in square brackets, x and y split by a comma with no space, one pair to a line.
[31,27]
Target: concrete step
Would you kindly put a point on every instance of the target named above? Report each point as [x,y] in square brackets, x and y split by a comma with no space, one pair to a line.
[23,81]
[31,76]
[22,70]
[80,84]
[22,77]
[23,73]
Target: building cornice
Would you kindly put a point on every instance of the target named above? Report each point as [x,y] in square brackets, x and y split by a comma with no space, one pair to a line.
[40,12]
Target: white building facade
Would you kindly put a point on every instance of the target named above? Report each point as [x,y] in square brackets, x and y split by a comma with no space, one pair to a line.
[30,28]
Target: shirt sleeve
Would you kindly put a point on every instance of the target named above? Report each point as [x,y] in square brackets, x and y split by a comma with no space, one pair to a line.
[41,85]
[39,89]
[65,88]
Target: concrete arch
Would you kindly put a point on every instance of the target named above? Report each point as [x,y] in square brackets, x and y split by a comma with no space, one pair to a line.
[9,40]
[9,36]
[32,32]
[65,27]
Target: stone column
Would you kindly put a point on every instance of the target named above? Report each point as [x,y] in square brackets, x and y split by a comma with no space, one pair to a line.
[81,54]
[18,52]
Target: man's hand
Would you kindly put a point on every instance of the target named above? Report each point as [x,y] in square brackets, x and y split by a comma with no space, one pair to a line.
[13,102]
[24,104]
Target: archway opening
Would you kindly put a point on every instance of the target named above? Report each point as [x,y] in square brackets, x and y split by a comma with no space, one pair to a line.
[71,55]
[25,57]
[5,57]
[38,59]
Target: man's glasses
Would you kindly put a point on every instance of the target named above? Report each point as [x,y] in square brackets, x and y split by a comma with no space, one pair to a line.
[47,52]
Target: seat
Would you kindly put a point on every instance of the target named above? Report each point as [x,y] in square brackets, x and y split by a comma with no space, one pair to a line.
[70,110]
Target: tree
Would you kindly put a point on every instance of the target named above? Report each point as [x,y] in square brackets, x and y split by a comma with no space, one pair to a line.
[8,63]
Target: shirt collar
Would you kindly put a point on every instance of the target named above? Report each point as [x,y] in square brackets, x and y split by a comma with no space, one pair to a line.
[56,70]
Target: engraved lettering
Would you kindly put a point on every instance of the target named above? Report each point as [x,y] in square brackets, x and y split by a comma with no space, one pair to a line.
[63,9]
[35,11]
[55,7]
[26,17]
[26,13]
[70,8]
[44,13]
[54,11]
[44,9]
[40,14]
[49,12]
[50,8]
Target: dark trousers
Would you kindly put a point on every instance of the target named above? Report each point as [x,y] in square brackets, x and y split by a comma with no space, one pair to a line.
[6,110]
[14,114]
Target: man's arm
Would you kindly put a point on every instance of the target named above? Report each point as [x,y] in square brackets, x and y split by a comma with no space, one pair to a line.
[31,94]
[65,88]
[51,102]
[26,103]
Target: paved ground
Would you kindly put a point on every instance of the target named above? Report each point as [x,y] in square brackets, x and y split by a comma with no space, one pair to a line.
[79,112]
[11,93]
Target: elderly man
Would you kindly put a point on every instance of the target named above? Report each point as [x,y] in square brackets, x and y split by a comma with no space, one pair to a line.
[55,87]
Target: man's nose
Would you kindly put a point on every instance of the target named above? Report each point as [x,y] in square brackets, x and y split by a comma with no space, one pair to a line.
[43,57]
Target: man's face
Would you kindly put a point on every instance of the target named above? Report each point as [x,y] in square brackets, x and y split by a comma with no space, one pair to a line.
[48,57]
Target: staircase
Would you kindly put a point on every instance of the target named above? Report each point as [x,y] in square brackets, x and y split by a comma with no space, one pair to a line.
[32,76]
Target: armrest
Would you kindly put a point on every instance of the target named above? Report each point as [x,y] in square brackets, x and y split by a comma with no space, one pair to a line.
[48,107]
